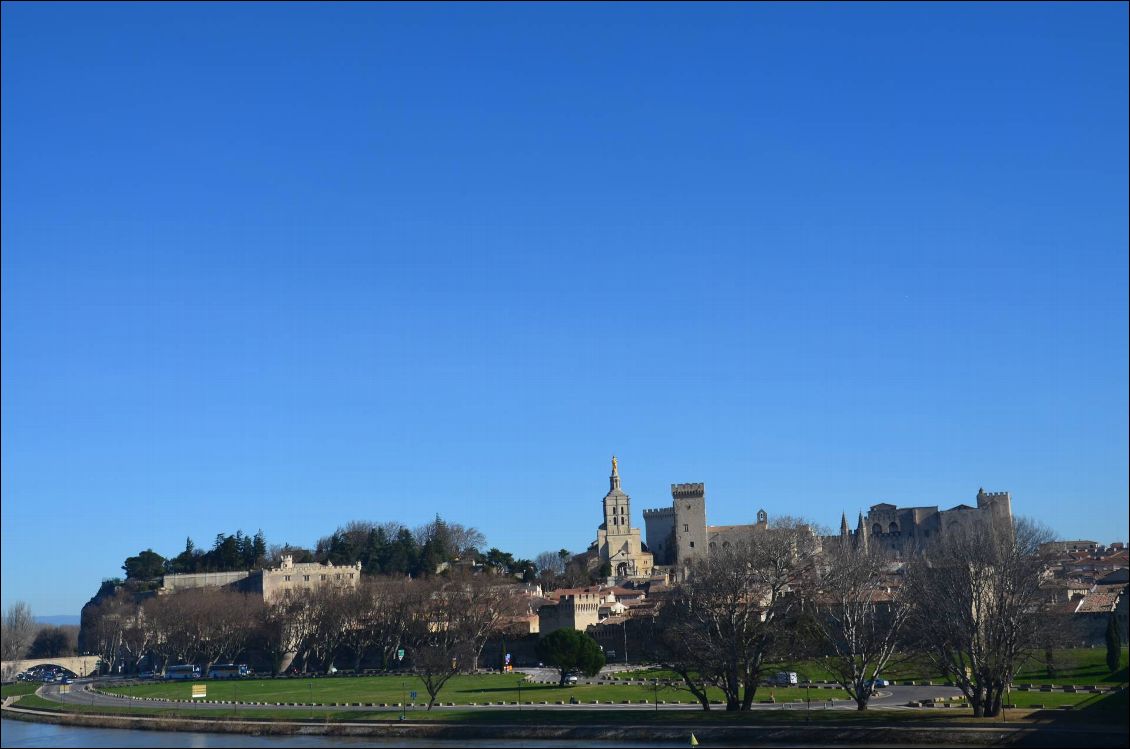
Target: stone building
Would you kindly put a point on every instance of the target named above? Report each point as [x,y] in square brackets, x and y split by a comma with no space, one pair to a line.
[903,529]
[289,576]
[617,542]
[679,533]
[574,608]
[269,583]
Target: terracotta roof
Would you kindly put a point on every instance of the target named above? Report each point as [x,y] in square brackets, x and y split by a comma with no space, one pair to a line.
[1101,600]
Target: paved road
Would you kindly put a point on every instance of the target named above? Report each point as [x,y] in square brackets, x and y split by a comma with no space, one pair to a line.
[894,697]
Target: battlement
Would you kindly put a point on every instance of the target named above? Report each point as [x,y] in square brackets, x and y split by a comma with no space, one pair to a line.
[984,497]
[659,512]
[688,491]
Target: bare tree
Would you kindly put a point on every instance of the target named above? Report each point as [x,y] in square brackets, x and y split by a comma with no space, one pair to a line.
[226,621]
[858,614]
[137,637]
[19,629]
[678,641]
[550,564]
[201,625]
[105,625]
[329,624]
[450,623]
[358,608]
[726,614]
[978,607]
[434,641]
[374,618]
[171,618]
[280,629]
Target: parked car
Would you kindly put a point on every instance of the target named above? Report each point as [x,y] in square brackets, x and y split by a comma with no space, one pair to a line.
[571,680]
[147,675]
[878,684]
[784,679]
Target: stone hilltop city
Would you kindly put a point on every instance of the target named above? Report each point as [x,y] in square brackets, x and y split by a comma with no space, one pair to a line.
[1084,580]
[629,573]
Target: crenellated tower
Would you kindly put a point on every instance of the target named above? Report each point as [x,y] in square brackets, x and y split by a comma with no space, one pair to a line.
[689,503]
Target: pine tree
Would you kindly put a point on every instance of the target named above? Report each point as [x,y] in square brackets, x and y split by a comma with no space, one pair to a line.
[1113,644]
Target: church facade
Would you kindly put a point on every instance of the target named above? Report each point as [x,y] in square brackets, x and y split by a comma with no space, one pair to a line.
[617,543]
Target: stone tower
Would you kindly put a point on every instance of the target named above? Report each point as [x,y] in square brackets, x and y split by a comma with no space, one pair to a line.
[689,501]
[997,504]
[617,542]
[617,506]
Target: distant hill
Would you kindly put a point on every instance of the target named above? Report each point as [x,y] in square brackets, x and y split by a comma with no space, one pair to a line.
[59,619]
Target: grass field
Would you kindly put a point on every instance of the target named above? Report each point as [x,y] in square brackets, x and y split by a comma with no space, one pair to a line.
[1110,708]
[10,690]
[460,690]
[1073,666]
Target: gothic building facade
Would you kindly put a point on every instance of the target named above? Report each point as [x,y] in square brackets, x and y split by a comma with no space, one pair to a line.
[678,534]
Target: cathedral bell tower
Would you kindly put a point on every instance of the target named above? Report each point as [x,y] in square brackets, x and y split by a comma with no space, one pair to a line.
[617,542]
[617,505]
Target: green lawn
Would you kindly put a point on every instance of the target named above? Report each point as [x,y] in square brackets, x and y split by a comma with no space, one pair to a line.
[460,690]
[9,690]
[1077,666]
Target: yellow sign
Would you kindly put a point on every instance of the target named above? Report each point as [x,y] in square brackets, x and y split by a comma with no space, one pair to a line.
[694,741]
[199,690]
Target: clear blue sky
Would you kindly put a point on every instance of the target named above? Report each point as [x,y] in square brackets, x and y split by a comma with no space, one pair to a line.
[282,267]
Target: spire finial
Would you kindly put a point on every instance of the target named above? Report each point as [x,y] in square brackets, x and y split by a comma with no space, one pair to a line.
[615,468]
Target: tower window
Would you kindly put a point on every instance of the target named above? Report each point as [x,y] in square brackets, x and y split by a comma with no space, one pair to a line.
[686,528]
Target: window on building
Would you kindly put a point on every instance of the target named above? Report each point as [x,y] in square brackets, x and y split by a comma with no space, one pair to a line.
[323,577]
[350,575]
[686,527]
[692,544]
[286,578]
[306,578]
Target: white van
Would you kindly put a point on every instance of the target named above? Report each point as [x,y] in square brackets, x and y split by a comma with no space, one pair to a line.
[784,679]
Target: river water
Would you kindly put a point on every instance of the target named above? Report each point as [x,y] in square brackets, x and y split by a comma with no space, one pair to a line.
[18,733]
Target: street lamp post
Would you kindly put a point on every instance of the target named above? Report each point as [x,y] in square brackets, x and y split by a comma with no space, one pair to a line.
[655,694]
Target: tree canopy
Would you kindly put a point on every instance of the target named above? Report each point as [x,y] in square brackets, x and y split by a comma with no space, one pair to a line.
[571,650]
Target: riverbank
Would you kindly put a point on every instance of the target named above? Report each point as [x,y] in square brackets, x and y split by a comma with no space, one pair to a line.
[1039,732]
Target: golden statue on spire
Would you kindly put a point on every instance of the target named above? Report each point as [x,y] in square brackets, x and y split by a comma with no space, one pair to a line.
[614,468]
